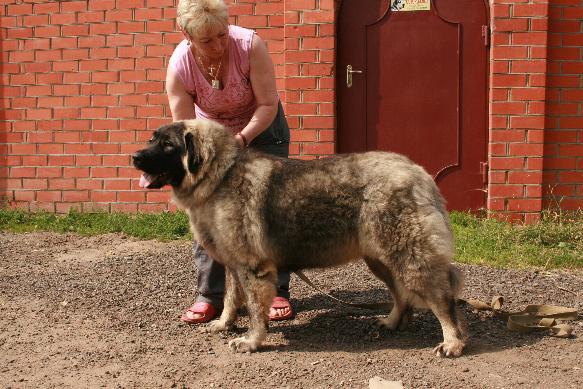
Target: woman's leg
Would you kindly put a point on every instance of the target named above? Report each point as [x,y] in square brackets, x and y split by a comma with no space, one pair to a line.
[210,286]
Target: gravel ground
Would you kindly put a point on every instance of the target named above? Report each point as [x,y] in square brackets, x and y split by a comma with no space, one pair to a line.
[103,311]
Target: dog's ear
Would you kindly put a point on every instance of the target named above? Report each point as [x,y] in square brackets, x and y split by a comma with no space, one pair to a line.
[192,157]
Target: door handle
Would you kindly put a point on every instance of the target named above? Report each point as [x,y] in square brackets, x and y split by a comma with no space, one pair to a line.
[349,72]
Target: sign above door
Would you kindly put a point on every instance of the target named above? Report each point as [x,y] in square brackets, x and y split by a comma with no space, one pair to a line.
[410,5]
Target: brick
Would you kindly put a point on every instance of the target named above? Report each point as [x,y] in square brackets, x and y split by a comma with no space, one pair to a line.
[88,160]
[123,207]
[77,149]
[132,196]
[540,10]
[74,6]
[46,8]
[318,122]
[508,108]
[527,122]
[75,195]
[561,163]
[49,196]
[506,191]
[153,208]
[35,20]
[309,17]
[318,43]
[158,196]
[529,38]
[47,31]
[65,113]
[510,25]
[116,184]
[164,25]
[516,149]
[65,19]
[61,183]
[518,94]
[318,148]
[524,205]
[575,122]
[504,52]
[22,172]
[528,66]
[75,30]
[79,125]
[525,177]
[564,53]
[24,195]
[91,17]
[92,41]
[566,26]
[77,101]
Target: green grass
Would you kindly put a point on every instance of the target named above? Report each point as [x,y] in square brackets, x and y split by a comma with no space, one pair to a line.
[555,242]
[162,226]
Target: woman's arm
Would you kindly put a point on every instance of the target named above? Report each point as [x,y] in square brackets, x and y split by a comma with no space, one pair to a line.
[262,75]
[181,102]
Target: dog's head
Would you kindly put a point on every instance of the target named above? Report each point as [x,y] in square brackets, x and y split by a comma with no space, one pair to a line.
[178,150]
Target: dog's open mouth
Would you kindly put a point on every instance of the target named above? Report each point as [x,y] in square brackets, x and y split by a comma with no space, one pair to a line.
[153,181]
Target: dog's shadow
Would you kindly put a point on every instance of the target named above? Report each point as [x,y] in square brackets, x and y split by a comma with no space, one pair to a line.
[335,327]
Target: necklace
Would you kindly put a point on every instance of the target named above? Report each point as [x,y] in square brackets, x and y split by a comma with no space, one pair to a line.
[215,82]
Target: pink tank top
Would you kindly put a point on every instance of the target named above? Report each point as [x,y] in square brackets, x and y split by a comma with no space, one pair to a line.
[232,106]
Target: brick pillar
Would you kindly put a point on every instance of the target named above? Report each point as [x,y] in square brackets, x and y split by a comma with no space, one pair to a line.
[517,108]
[563,170]
[309,76]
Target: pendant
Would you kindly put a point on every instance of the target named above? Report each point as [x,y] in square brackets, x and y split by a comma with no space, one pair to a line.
[216,84]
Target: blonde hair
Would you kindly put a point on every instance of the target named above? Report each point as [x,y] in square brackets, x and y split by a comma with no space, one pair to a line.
[199,16]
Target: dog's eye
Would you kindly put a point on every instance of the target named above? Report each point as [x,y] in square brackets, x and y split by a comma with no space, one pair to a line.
[167,143]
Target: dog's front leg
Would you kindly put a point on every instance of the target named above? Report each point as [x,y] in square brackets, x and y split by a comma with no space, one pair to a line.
[231,303]
[258,284]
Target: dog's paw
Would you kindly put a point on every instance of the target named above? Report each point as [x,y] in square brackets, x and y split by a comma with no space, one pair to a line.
[450,349]
[392,323]
[388,323]
[218,326]
[242,345]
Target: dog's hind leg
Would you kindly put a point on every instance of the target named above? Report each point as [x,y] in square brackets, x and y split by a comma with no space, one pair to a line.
[259,287]
[399,316]
[231,303]
[441,299]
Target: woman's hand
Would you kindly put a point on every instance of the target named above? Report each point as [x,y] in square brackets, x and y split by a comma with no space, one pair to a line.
[240,140]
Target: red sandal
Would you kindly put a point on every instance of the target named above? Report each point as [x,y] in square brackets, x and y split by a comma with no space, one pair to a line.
[207,311]
[281,303]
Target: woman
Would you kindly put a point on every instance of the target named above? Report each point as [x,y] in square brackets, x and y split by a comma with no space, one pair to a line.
[224,73]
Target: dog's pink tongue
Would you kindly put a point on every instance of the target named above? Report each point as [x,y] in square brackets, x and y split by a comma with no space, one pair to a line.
[145,180]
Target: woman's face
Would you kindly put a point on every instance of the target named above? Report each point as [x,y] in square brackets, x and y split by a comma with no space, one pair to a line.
[211,43]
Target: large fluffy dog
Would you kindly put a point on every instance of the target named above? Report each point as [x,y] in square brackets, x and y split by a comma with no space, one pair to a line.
[255,213]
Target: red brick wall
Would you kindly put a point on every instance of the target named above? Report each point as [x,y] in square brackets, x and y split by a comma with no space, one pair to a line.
[309,76]
[517,109]
[563,163]
[82,87]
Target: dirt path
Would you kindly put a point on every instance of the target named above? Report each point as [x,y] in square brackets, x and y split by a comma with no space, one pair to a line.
[103,311]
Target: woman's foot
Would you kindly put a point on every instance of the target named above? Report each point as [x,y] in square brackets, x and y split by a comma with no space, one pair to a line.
[203,312]
[199,312]
[280,309]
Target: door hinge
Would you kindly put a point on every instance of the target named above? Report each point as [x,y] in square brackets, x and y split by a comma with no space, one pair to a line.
[486,35]
[484,171]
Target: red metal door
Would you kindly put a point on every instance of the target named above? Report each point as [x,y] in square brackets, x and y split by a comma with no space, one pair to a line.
[419,87]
